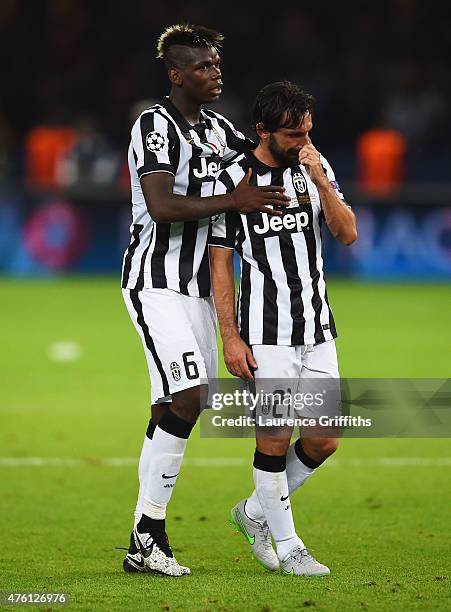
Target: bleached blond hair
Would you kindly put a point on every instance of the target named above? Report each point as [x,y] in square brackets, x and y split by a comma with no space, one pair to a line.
[186,35]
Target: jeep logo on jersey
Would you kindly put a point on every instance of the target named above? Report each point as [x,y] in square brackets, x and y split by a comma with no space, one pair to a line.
[299,182]
[176,371]
[210,169]
[291,221]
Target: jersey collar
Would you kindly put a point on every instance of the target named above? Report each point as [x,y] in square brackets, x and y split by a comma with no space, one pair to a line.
[259,166]
[262,168]
[180,120]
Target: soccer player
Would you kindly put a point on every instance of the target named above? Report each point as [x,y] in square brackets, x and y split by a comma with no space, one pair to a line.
[174,156]
[285,327]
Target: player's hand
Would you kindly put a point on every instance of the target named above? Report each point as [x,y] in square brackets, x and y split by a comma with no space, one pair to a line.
[238,358]
[310,157]
[248,198]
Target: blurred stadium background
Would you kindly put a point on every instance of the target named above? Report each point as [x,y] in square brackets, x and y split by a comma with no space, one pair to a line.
[74,384]
[76,74]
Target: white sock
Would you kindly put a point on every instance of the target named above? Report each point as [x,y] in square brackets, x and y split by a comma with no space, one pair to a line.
[272,491]
[165,459]
[143,472]
[297,474]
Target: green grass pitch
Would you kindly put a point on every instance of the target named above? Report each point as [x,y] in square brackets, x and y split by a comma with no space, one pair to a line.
[382,526]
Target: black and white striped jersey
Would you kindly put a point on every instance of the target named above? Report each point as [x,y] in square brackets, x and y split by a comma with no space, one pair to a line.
[282,298]
[174,255]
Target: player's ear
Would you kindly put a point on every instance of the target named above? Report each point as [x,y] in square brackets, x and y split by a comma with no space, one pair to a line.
[261,132]
[175,76]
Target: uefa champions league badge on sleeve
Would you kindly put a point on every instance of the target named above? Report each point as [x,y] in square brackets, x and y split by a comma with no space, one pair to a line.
[335,185]
[155,141]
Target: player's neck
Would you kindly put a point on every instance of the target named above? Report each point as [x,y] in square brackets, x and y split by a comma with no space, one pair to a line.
[190,110]
[265,156]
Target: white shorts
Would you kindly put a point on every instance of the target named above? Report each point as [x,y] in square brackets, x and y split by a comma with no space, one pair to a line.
[296,362]
[178,333]
[307,374]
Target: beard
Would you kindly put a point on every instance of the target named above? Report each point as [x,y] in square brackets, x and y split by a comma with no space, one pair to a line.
[288,157]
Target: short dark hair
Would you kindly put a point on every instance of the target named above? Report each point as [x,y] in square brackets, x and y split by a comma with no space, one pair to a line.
[281,105]
[185,35]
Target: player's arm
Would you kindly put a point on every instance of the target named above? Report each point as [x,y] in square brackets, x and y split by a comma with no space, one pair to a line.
[166,206]
[222,237]
[156,148]
[238,356]
[338,215]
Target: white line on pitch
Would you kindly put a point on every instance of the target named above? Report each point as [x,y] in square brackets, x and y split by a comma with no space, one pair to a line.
[218,462]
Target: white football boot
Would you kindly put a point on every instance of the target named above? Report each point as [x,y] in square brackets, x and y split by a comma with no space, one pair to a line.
[257,535]
[299,562]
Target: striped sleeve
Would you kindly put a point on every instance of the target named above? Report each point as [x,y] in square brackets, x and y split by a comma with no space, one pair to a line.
[224,227]
[155,144]
[223,230]
[331,176]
